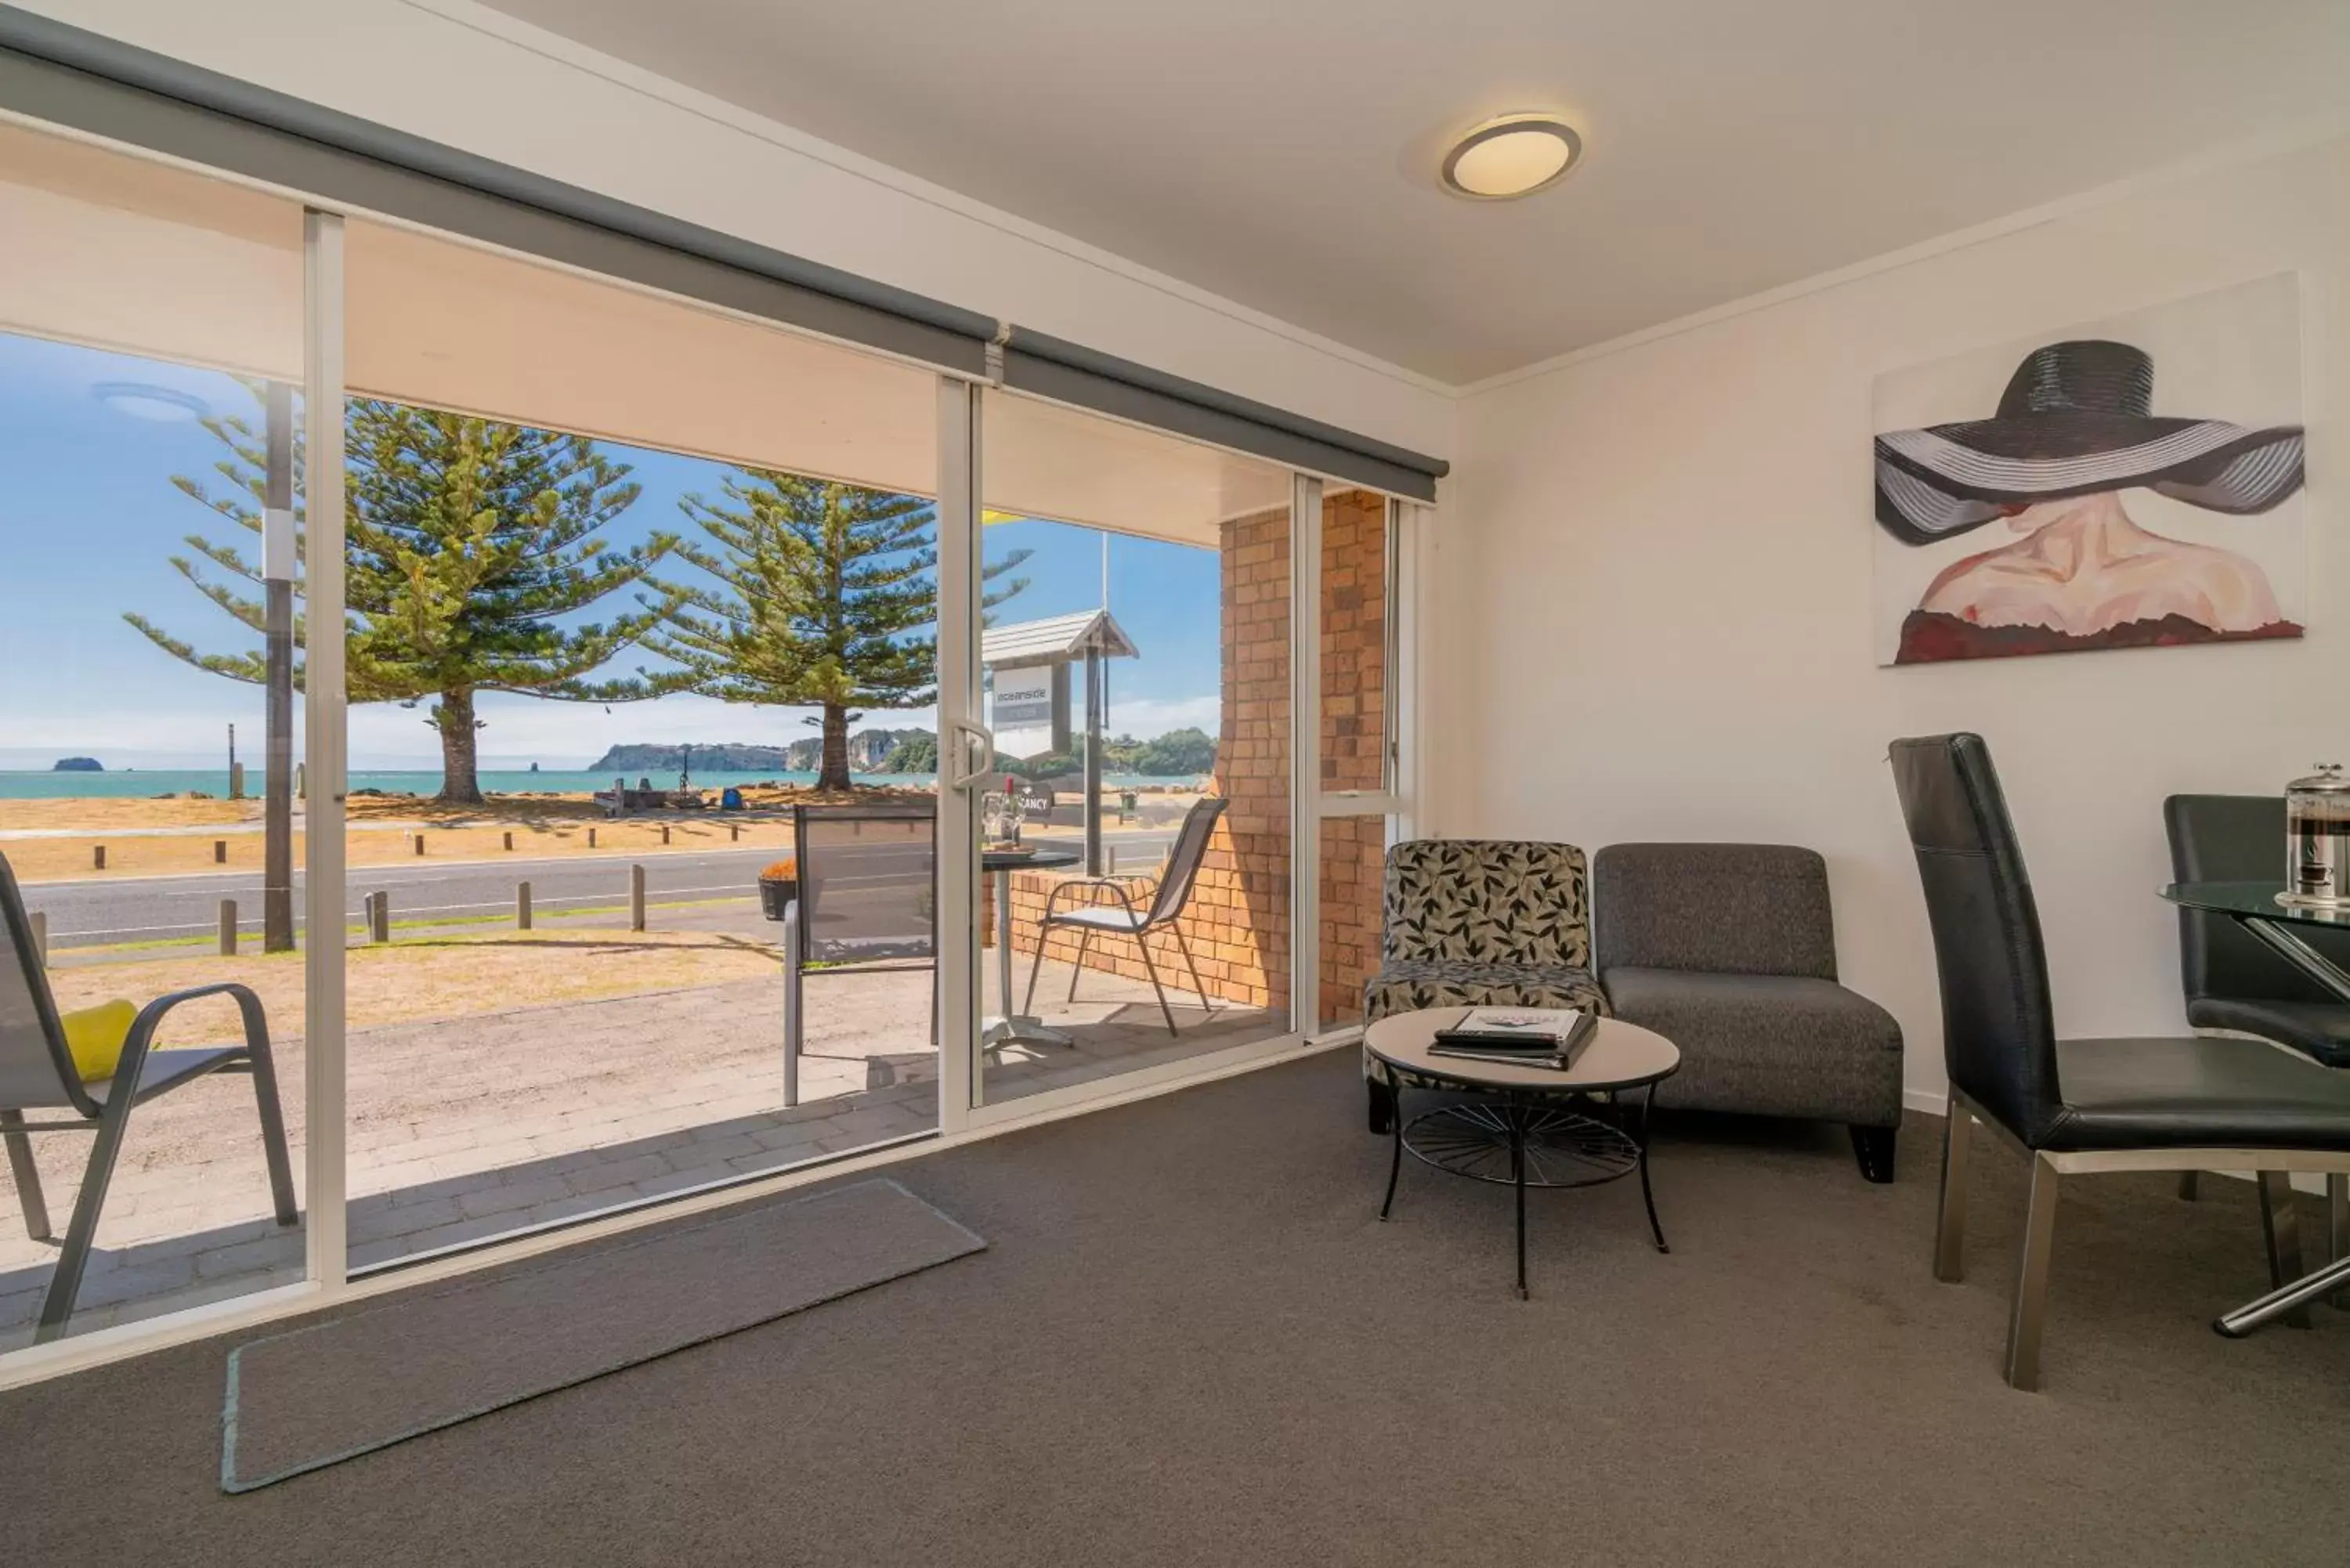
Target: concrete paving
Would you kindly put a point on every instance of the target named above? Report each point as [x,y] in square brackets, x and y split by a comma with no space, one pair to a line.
[469,1129]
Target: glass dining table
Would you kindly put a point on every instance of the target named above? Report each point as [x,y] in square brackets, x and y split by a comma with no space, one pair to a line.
[2263,913]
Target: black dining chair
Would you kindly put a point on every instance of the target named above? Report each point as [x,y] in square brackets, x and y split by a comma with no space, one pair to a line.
[2235,983]
[38,1075]
[2073,1107]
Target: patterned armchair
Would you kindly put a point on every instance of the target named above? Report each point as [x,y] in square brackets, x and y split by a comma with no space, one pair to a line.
[1477,923]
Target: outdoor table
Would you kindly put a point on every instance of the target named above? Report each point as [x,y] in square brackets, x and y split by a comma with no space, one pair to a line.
[1001,1028]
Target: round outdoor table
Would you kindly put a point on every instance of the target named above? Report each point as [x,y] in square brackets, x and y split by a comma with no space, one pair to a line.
[999,1028]
[2257,908]
[1528,1126]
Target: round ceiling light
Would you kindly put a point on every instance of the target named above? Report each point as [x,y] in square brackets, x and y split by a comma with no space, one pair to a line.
[145,400]
[1514,156]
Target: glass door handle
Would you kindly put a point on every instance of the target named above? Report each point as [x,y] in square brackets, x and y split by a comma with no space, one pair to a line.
[970,740]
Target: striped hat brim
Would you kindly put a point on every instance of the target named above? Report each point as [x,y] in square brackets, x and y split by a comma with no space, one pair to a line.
[1937,483]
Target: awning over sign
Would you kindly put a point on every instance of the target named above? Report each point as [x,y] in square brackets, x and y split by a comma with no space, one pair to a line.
[1057,640]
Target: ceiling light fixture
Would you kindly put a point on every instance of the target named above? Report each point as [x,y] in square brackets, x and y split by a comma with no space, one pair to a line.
[1515,155]
[145,400]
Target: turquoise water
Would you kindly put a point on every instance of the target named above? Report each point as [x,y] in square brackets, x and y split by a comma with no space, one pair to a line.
[145,783]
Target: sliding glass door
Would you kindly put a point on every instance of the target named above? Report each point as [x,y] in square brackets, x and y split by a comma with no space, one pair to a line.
[1128,654]
[632,585]
[615,747]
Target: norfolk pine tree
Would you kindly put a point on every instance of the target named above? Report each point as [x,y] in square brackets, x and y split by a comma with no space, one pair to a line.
[816,590]
[469,545]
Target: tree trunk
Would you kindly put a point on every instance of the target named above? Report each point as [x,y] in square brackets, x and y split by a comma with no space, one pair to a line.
[833,772]
[461,780]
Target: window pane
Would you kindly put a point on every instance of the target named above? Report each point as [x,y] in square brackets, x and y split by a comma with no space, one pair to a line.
[597,542]
[1356,753]
[1139,589]
[150,347]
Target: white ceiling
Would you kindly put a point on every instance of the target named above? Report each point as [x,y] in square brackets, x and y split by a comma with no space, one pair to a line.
[1282,155]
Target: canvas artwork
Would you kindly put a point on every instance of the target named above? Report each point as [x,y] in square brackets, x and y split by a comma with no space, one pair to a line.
[2130,483]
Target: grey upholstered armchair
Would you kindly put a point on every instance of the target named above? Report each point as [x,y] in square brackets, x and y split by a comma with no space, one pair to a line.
[1729,952]
[1479,923]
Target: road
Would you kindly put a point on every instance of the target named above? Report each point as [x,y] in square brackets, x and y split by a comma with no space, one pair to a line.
[94,911]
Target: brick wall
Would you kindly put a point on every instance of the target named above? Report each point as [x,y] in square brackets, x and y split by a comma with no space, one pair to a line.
[1237,922]
[1354,733]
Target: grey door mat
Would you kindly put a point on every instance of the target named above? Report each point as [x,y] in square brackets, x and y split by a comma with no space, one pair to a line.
[315,1395]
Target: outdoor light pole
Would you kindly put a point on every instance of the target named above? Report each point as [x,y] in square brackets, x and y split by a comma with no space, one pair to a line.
[278,631]
[1093,816]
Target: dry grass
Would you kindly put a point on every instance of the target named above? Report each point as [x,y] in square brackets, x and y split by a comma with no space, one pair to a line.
[55,816]
[430,978]
[386,831]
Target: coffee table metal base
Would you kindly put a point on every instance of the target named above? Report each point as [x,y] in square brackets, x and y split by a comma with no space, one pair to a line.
[1523,1143]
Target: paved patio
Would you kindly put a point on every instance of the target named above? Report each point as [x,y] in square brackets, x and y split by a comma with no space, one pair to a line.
[465,1129]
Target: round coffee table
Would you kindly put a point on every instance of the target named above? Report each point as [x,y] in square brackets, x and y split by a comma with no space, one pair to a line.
[1528,1126]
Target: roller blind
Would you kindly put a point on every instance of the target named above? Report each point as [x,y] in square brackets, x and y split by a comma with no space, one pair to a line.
[79,80]
[1071,373]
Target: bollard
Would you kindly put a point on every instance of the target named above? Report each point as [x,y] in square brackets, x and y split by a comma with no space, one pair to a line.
[733,833]
[510,841]
[636,897]
[664,832]
[228,927]
[591,838]
[420,844]
[1112,867]
[41,936]
[98,856]
[219,851]
[522,906]
[379,916]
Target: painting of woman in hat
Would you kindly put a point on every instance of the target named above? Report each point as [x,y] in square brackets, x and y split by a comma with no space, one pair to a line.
[2061,565]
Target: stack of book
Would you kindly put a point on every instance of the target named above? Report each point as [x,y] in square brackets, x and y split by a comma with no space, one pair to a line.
[1541,1037]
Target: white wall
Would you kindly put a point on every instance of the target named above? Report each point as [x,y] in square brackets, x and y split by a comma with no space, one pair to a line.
[476,80]
[1660,616]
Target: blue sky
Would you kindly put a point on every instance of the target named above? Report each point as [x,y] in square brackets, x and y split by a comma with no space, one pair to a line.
[89,519]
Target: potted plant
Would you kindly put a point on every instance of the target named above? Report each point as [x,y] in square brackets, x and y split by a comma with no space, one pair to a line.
[779,884]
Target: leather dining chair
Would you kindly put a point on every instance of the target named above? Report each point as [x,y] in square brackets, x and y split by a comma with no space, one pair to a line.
[2071,1106]
[2233,983]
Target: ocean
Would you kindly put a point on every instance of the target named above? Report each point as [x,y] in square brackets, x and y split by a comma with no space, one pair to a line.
[132,784]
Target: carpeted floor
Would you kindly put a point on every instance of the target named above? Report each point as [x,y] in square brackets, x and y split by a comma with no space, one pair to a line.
[1191,1342]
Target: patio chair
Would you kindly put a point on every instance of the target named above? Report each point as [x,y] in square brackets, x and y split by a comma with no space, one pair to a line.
[1175,882]
[38,1075]
[866,897]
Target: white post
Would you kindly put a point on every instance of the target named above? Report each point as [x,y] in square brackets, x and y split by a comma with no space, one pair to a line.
[324,724]
[961,1084]
[792,1018]
[1306,757]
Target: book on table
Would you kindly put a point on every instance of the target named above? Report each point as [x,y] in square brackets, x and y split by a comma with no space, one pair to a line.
[1535,1037]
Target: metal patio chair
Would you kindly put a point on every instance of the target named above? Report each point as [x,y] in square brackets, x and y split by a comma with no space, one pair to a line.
[1175,883]
[867,895]
[38,1075]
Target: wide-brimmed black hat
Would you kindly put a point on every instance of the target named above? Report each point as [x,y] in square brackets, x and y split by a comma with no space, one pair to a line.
[2075,419]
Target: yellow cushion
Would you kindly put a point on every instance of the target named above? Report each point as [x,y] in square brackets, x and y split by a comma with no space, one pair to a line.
[95,1036]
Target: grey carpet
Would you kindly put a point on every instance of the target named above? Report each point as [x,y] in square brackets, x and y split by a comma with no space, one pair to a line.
[1190,1342]
[429,1358]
